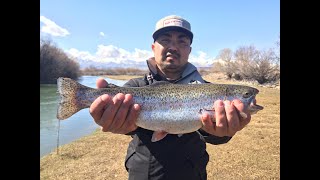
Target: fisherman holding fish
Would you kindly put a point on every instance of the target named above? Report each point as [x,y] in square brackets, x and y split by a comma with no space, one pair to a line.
[161,155]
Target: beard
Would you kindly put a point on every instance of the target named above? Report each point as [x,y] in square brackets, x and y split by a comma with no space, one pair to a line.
[171,62]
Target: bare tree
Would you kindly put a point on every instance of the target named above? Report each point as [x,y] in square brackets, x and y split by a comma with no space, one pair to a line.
[264,68]
[278,51]
[244,58]
[55,63]
[225,54]
[227,66]
[250,64]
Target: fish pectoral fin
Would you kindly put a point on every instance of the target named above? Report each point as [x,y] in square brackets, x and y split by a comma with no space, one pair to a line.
[210,112]
[243,115]
[179,135]
[206,110]
[158,135]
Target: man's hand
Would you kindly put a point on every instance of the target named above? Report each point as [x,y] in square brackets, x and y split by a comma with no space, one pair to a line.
[115,114]
[227,118]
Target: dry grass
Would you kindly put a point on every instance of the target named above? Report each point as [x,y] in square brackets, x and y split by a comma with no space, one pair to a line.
[253,153]
[98,156]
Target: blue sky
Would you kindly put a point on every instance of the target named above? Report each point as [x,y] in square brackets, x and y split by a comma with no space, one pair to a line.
[118,30]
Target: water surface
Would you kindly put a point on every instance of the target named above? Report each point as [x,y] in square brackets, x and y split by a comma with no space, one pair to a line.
[75,127]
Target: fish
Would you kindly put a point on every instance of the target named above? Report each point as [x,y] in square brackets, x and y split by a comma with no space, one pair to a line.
[166,108]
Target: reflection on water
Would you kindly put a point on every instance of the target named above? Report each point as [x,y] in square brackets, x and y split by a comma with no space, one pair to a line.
[48,105]
[80,124]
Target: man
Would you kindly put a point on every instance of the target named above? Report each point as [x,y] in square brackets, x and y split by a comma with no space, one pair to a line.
[173,157]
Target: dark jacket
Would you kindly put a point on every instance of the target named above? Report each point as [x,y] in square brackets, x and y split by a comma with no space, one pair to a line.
[173,157]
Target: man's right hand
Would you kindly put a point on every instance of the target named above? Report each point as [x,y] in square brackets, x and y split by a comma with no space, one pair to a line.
[116,114]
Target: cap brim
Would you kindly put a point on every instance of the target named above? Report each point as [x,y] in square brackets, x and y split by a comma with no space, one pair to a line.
[157,33]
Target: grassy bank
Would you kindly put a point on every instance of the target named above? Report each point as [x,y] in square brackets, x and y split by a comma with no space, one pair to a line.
[253,153]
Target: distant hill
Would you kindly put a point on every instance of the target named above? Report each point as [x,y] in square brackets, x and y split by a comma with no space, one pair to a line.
[127,64]
[103,65]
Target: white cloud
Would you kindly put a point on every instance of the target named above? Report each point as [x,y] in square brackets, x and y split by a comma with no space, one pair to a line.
[118,55]
[52,28]
[84,55]
[201,60]
[101,34]
[111,53]
[141,55]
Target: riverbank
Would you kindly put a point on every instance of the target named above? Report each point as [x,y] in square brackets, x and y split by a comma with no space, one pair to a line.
[254,153]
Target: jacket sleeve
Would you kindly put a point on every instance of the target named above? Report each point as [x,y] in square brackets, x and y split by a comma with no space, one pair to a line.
[136,82]
[214,139]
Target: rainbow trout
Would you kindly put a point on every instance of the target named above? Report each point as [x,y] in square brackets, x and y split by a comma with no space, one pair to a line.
[166,108]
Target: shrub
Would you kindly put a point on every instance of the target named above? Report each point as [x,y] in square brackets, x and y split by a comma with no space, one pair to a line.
[55,63]
[248,63]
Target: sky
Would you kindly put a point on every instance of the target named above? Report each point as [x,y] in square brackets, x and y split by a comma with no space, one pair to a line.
[121,30]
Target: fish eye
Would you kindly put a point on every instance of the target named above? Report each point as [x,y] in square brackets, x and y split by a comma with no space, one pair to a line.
[247,94]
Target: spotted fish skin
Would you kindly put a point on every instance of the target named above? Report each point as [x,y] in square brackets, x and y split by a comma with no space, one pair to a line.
[165,107]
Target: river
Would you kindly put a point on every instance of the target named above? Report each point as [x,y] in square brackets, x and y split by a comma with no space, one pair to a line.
[75,127]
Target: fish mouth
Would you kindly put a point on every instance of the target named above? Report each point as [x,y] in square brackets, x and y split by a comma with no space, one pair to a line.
[254,108]
[256,91]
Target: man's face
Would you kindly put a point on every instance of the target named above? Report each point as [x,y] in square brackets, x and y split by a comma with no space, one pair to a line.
[171,51]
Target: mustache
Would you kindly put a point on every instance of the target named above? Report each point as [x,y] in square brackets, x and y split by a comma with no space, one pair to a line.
[172,53]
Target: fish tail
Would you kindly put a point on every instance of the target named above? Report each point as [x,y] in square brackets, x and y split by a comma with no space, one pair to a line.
[69,91]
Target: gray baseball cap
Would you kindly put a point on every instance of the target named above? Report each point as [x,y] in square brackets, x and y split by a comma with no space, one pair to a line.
[172,22]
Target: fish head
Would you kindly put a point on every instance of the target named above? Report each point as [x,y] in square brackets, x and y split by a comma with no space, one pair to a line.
[247,95]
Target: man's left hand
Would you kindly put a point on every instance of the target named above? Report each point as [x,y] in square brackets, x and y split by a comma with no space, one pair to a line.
[228,120]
